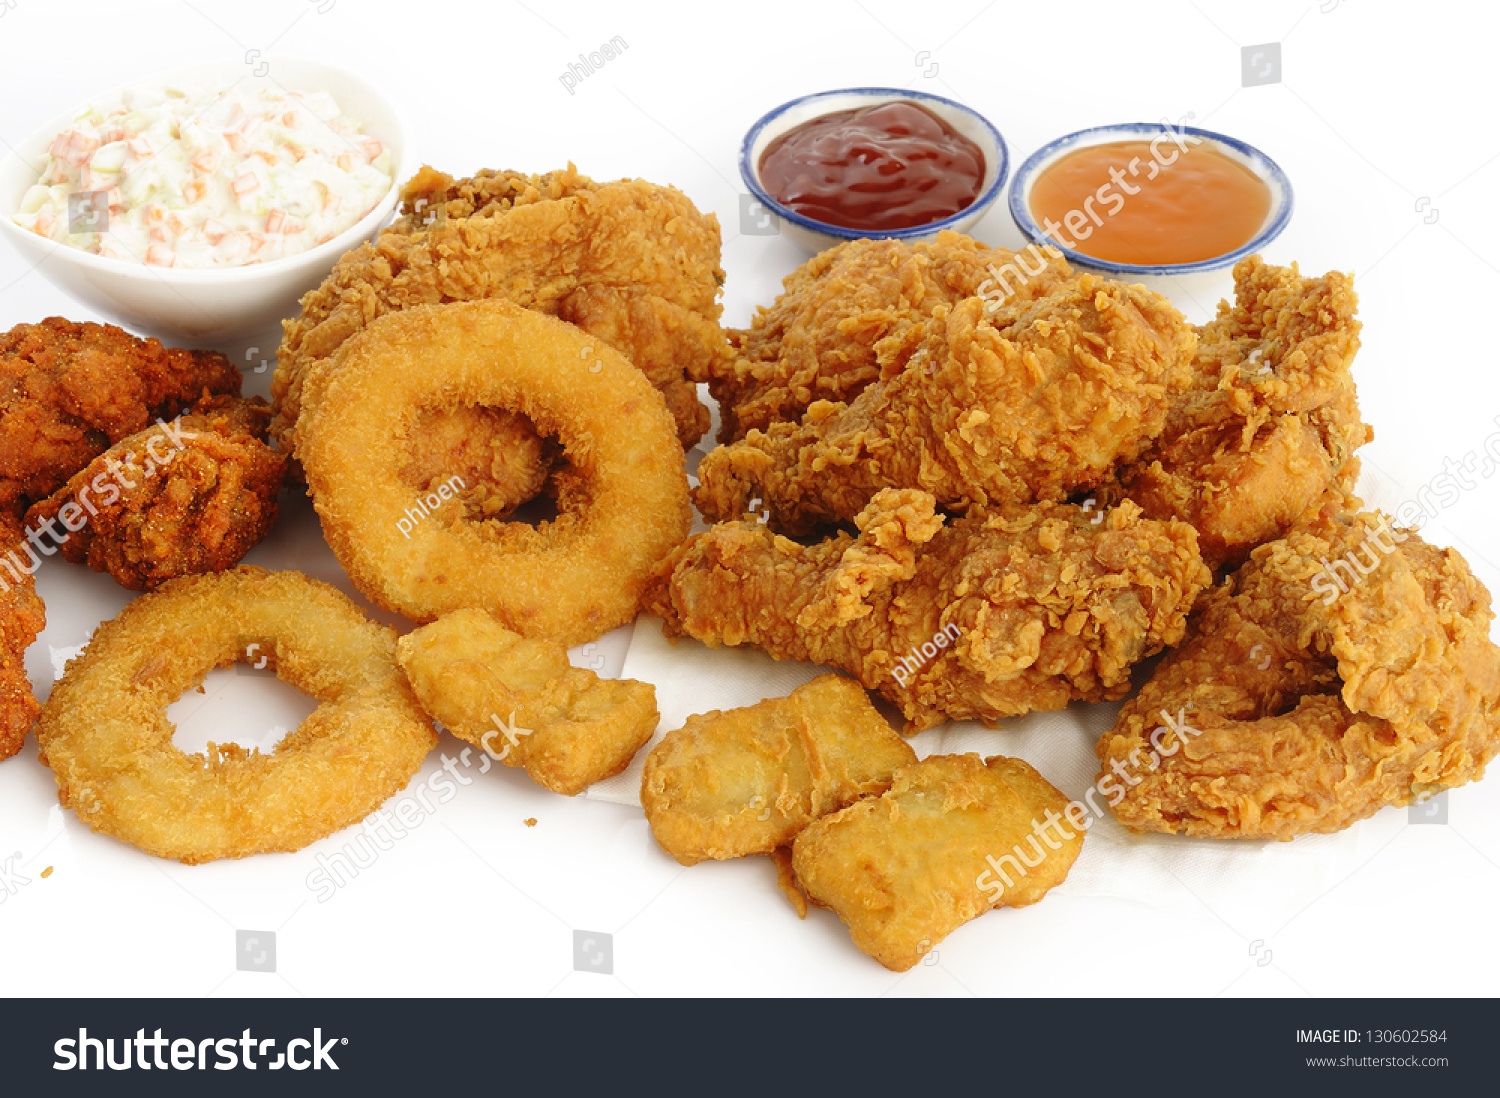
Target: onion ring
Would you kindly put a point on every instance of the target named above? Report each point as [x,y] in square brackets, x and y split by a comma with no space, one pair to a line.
[105,734]
[567,581]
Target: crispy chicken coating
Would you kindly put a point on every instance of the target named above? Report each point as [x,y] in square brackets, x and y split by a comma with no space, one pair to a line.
[1021,608]
[1038,404]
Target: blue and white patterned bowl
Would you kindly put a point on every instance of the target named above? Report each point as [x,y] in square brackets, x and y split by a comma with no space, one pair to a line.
[816,236]
[1258,162]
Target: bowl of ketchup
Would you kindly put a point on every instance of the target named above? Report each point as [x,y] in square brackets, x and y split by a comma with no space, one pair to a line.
[1151,198]
[872,162]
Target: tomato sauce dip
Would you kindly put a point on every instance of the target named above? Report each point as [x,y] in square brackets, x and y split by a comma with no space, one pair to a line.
[891,166]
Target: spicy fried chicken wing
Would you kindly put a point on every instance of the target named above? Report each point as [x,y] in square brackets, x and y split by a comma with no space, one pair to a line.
[69,391]
[906,869]
[1034,405]
[818,340]
[1343,668]
[523,702]
[182,498]
[1020,608]
[1269,422]
[745,781]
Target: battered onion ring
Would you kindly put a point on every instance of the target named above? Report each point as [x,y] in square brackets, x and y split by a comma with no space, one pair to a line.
[566,581]
[105,734]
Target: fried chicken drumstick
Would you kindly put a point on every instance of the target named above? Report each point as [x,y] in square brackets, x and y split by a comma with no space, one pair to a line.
[1344,668]
[982,617]
[1035,404]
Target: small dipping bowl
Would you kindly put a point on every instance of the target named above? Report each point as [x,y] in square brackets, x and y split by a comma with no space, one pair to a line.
[817,236]
[1277,216]
[222,303]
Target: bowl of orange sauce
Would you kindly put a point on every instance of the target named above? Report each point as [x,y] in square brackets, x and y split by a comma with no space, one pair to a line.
[871,162]
[1149,198]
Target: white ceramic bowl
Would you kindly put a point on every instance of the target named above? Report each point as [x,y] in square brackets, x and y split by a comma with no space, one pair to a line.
[204,305]
[816,236]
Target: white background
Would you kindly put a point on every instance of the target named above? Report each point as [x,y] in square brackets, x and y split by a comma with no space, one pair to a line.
[1383,117]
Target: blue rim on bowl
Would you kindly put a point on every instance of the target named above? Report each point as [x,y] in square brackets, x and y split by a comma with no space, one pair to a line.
[1276,218]
[750,174]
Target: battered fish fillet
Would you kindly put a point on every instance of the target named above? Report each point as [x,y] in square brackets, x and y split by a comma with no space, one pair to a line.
[181,498]
[1270,421]
[818,341]
[1039,405]
[22,617]
[1022,608]
[1296,706]
[524,703]
[634,264]
[906,869]
[69,391]
[745,781]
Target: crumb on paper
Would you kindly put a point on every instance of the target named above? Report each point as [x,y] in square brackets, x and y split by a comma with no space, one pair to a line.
[46,872]
[531,822]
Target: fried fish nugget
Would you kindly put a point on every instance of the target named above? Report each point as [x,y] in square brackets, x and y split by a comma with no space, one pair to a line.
[524,703]
[745,781]
[906,869]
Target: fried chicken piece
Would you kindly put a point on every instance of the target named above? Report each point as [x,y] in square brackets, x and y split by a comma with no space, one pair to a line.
[1270,421]
[1037,408]
[524,703]
[906,869]
[496,454]
[745,781]
[633,263]
[431,197]
[69,391]
[1022,608]
[818,341]
[183,498]
[1343,668]
[22,617]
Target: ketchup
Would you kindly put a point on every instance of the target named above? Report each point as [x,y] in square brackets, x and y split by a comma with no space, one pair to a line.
[892,166]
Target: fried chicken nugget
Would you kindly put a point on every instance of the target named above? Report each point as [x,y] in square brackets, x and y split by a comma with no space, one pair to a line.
[181,498]
[1270,421]
[1038,405]
[1024,607]
[906,869]
[1343,668]
[524,703]
[69,391]
[22,617]
[745,781]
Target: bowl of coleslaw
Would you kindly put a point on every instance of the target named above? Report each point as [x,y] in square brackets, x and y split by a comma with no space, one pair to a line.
[201,204]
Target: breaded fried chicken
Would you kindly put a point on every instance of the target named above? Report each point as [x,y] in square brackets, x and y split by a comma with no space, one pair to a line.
[1036,404]
[1343,668]
[69,391]
[818,341]
[634,264]
[1019,608]
[21,619]
[1269,422]
[181,498]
